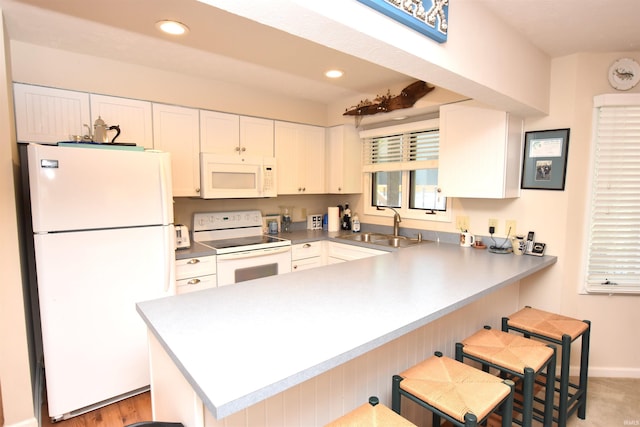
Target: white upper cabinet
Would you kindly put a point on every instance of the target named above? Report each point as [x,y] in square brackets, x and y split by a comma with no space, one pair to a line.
[480,152]
[300,156]
[344,160]
[256,136]
[49,115]
[132,115]
[176,130]
[227,134]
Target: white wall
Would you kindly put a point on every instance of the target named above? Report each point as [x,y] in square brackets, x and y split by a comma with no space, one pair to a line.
[15,378]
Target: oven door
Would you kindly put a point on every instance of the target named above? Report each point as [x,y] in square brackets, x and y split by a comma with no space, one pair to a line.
[247,265]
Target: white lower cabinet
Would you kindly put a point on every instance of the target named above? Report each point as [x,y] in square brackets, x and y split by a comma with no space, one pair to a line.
[340,252]
[306,255]
[325,252]
[194,274]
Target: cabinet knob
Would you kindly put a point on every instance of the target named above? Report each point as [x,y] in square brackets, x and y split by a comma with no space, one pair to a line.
[193,261]
[306,245]
[193,282]
[295,267]
[197,190]
[237,148]
[339,188]
[243,149]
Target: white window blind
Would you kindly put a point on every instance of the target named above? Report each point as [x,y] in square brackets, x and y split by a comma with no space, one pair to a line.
[407,151]
[613,264]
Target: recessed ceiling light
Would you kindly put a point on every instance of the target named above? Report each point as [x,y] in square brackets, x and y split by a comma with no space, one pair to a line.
[334,74]
[172,27]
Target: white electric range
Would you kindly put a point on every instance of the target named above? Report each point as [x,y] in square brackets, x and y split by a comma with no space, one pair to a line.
[243,251]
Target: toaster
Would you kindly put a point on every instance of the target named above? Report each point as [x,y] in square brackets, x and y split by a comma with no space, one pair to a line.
[182,236]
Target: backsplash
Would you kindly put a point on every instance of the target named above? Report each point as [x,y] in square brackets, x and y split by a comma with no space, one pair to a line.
[299,206]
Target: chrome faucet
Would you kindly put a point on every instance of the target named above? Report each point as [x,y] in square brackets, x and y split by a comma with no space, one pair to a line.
[396,220]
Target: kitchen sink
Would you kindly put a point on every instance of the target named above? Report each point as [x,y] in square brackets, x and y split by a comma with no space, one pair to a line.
[362,237]
[388,240]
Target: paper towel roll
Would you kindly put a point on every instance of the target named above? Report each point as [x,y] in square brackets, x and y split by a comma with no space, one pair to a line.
[334,218]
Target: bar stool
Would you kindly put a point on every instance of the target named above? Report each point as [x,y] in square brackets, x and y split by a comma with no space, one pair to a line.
[560,330]
[371,414]
[461,394]
[515,357]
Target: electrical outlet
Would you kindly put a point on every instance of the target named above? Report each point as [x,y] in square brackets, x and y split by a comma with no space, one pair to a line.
[462,222]
[493,223]
[510,227]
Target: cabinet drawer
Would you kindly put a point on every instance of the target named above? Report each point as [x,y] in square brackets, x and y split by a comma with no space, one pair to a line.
[197,266]
[195,284]
[306,263]
[306,250]
[351,252]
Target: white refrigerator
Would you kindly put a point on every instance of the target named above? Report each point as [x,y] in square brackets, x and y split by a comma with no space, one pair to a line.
[103,240]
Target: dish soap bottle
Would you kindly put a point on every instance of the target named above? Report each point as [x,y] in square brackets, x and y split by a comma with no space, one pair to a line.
[286,221]
[355,224]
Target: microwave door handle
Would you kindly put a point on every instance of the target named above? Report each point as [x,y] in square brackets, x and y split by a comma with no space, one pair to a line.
[253,254]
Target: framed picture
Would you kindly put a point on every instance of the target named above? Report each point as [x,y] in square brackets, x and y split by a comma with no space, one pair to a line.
[429,17]
[544,166]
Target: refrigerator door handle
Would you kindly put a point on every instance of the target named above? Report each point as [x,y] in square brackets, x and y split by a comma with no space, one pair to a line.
[170,265]
[166,188]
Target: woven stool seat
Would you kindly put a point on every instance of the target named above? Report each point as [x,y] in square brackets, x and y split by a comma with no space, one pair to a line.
[548,324]
[371,414]
[563,331]
[454,389]
[516,356]
[510,351]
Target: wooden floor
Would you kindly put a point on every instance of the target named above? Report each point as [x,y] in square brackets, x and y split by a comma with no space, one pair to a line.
[119,414]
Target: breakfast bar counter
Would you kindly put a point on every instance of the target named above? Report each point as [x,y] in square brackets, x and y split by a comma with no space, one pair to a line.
[244,354]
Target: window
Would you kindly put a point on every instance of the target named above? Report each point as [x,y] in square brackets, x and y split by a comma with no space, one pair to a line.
[401,171]
[613,258]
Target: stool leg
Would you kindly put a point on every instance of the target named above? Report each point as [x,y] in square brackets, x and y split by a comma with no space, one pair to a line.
[564,381]
[527,398]
[395,393]
[470,420]
[584,368]
[549,389]
[507,406]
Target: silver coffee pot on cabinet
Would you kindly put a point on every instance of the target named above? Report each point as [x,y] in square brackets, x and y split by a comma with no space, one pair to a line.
[100,129]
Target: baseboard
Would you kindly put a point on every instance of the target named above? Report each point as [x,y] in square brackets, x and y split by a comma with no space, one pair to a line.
[604,372]
[29,422]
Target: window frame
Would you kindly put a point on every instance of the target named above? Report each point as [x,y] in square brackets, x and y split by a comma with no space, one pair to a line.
[404,210]
[600,101]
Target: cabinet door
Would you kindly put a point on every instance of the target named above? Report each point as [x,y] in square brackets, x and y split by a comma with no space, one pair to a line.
[344,160]
[300,153]
[480,151]
[219,133]
[314,140]
[289,153]
[132,115]
[175,129]
[256,137]
[48,115]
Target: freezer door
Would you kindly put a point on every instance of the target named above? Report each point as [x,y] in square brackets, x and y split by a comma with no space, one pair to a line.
[94,341]
[84,188]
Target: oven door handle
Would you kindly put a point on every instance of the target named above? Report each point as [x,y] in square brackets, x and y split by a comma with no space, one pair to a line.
[253,254]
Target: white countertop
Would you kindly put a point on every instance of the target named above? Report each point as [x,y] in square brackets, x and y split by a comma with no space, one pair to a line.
[239,344]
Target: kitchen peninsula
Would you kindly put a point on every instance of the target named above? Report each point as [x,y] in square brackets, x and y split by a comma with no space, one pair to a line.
[303,348]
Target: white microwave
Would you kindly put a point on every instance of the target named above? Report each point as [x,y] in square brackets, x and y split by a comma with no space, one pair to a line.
[232,177]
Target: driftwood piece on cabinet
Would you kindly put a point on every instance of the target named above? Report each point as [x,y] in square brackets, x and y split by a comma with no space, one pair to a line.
[386,103]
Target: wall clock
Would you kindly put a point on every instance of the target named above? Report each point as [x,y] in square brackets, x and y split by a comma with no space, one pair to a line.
[624,74]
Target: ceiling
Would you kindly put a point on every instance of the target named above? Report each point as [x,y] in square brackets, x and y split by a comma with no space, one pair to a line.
[241,51]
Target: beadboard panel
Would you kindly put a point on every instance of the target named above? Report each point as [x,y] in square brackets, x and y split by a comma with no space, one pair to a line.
[338,391]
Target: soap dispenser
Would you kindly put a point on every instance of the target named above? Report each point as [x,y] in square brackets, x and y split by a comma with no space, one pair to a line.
[355,224]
